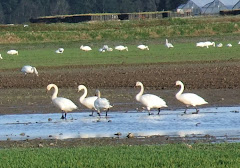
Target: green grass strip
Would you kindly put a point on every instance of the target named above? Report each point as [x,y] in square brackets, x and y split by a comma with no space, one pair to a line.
[172,155]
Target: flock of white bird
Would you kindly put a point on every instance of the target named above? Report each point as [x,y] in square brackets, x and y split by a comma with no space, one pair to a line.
[210,43]
[119,48]
[98,104]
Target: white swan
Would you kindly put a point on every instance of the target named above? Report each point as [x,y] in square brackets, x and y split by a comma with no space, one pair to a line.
[219,45]
[142,47]
[101,103]
[205,44]
[12,52]
[149,100]
[89,101]
[189,99]
[27,69]
[168,45]
[62,103]
[1,56]
[59,51]
[121,48]
[85,48]
[209,43]
[201,44]
[101,50]
[229,45]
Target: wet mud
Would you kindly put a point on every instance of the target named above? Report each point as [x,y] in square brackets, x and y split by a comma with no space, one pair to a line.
[215,81]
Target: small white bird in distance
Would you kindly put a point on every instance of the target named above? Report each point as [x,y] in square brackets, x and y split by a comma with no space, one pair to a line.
[12,52]
[219,45]
[85,48]
[59,51]
[143,47]
[168,45]
[121,48]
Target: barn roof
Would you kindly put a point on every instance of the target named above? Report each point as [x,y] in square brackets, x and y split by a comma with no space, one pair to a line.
[228,3]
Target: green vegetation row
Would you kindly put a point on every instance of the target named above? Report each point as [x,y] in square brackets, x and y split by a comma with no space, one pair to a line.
[121,30]
[172,155]
[44,55]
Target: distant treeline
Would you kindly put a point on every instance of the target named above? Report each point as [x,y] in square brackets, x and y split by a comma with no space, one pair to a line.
[20,11]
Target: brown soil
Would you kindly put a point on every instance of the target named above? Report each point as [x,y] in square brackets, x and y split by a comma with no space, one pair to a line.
[216,81]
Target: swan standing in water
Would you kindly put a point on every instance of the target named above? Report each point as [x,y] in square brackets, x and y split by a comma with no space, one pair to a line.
[27,69]
[62,103]
[101,103]
[89,101]
[189,99]
[149,100]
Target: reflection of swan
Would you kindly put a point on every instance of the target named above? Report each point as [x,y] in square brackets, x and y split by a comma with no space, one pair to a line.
[149,100]
[62,103]
[27,69]
[189,99]
[89,101]
[101,103]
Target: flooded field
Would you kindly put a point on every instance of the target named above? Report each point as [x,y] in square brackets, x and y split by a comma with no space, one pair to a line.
[214,121]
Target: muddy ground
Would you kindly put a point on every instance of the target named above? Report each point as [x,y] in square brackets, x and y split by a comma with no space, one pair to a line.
[216,81]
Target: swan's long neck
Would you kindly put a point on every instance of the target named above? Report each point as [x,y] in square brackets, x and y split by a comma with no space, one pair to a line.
[98,94]
[181,90]
[55,92]
[84,95]
[140,93]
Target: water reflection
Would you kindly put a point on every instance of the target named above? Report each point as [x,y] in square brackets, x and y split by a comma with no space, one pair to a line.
[218,121]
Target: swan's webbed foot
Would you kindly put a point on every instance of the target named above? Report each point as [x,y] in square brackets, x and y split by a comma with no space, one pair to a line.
[159,111]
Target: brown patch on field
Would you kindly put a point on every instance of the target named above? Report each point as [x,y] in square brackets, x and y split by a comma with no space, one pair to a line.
[10,38]
[217,82]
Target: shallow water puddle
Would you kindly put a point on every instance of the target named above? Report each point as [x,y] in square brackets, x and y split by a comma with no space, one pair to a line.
[216,121]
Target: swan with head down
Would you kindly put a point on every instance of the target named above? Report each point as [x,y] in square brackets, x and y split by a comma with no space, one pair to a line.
[65,105]
[149,100]
[89,101]
[189,99]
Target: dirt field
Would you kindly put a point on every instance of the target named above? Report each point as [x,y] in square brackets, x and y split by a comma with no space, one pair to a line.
[217,82]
